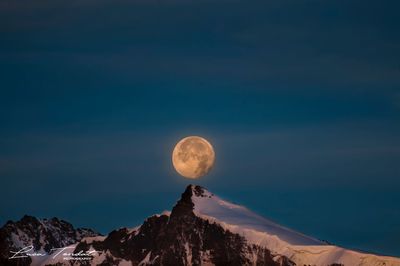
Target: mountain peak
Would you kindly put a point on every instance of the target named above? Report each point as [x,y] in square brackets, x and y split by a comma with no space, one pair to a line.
[202,229]
[198,201]
[240,219]
[29,219]
[196,191]
[186,205]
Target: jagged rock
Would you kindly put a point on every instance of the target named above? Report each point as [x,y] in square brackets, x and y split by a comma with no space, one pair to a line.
[201,229]
[42,234]
[182,238]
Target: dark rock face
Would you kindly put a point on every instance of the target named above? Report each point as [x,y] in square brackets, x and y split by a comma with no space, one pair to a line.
[182,239]
[41,234]
[178,239]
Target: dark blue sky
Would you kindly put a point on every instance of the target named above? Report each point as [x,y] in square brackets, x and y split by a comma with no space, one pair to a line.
[301,100]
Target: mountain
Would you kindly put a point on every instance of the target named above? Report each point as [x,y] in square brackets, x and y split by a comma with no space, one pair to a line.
[201,229]
[42,235]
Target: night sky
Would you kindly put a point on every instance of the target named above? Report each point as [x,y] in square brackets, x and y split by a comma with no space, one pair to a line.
[300,99]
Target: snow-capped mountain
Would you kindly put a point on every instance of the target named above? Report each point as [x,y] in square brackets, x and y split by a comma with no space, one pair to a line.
[201,229]
[300,249]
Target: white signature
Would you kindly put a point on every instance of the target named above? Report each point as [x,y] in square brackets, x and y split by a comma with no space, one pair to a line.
[55,252]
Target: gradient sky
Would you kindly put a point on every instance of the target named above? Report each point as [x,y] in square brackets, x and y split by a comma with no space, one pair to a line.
[301,100]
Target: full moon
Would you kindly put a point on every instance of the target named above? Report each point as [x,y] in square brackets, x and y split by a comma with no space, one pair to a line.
[193,157]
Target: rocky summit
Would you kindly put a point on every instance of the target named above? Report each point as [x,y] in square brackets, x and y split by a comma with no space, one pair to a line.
[201,229]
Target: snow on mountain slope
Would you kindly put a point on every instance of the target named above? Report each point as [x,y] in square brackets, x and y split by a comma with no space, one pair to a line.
[201,229]
[303,250]
[211,206]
